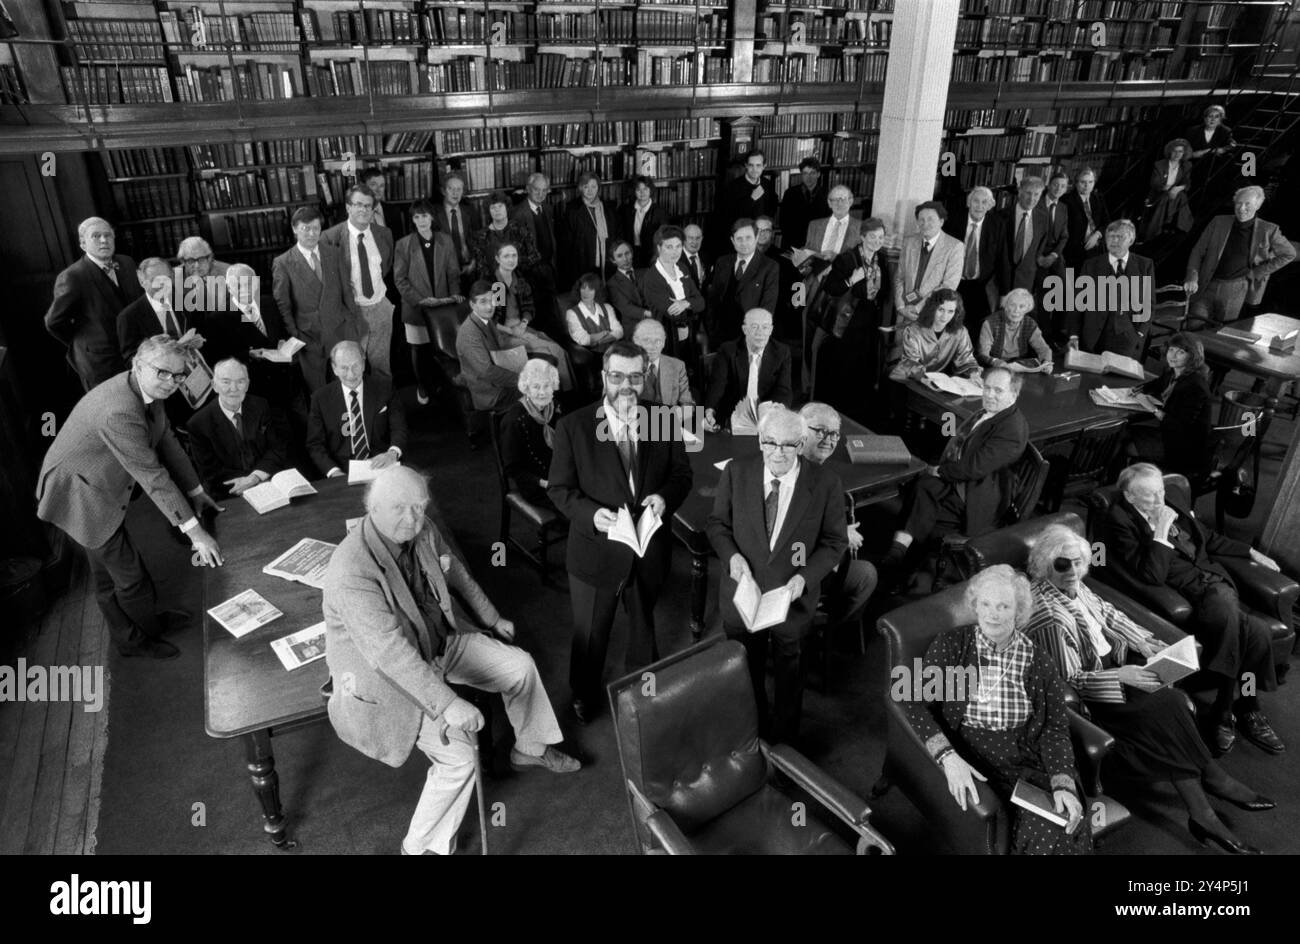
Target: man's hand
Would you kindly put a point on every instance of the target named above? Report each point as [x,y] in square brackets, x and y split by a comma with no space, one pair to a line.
[1138,677]
[1047,260]
[383,460]
[603,520]
[242,484]
[679,306]
[258,353]
[202,502]
[505,629]
[961,778]
[461,714]
[738,567]
[932,470]
[1045,367]
[857,275]
[796,585]
[206,546]
[429,302]
[334,473]
[1093,240]
[1165,518]
[710,422]
[855,537]
[1191,285]
[655,502]
[1265,560]
[1068,804]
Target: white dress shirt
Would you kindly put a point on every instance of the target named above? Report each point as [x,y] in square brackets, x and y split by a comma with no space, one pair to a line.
[641,211]
[783,500]
[1118,261]
[313,257]
[376,265]
[620,429]
[833,240]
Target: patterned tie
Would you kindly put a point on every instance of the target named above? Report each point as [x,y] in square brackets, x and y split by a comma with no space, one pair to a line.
[1021,233]
[315,264]
[740,268]
[367,285]
[972,268]
[770,506]
[652,383]
[360,444]
[454,215]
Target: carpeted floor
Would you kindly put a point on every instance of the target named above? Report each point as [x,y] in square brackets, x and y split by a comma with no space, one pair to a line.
[169,788]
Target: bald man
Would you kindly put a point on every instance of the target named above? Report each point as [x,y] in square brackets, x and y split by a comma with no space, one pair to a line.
[237,440]
[665,376]
[405,620]
[355,417]
[88,295]
[753,368]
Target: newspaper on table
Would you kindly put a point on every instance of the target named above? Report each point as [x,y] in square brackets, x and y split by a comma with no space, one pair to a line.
[305,562]
[242,614]
[300,648]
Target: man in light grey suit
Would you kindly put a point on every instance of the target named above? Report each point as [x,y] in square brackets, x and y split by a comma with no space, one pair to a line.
[365,257]
[1231,262]
[307,289]
[491,386]
[929,260]
[396,638]
[665,380]
[118,436]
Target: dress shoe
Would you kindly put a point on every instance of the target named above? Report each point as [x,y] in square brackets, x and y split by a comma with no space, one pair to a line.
[557,762]
[421,397]
[1259,732]
[580,711]
[1256,804]
[149,649]
[1233,846]
[1225,736]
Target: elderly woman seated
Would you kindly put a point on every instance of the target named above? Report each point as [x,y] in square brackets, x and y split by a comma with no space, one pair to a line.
[528,429]
[1097,649]
[937,341]
[1012,339]
[1001,716]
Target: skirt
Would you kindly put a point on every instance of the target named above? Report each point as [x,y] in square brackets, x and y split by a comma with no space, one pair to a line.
[1155,735]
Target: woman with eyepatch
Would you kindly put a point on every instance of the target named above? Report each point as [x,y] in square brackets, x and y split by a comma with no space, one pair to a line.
[1099,651]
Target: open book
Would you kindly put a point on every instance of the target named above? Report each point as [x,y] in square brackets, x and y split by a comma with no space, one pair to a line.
[297,649]
[1124,398]
[284,351]
[761,610]
[242,614]
[1175,662]
[636,536]
[511,358]
[1107,363]
[744,419]
[305,562]
[1037,800]
[276,491]
[360,471]
[958,386]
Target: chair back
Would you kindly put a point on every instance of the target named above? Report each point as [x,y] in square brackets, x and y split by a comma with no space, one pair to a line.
[687,733]
[1011,545]
[909,629]
[1028,475]
[1095,450]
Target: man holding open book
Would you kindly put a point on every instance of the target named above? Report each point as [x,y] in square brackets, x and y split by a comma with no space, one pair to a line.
[237,441]
[778,525]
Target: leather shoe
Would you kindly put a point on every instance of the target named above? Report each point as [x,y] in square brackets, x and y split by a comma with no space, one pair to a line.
[580,712]
[149,649]
[1233,846]
[1259,732]
[1225,736]
[1256,804]
[557,762]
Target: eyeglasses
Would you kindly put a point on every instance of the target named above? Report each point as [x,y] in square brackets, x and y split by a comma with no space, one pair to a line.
[773,444]
[617,377]
[362,206]
[196,259]
[166,375]
[823,433]
[1064,565]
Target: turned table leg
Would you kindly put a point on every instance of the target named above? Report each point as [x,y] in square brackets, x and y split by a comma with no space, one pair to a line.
[266,785]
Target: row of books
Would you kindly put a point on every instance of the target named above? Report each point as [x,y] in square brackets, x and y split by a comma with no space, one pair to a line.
[861,180]
[787,152]
[116,39]
[251,153]
[263,32]
[858,6]
[407,180]
[362,27]
[251,80]
[1081,9]
[671,129]
[494,172]
[987,147]
[115,84]
[654,26]
[448,25]
[677,161]
[842,66]
[268,228]
[562,167]
[553,70]
[685,197]
[1103,67]
[827,30]
[338,147]
[156,238]
[855,150]
[358,77]
[140,162]
[139,199]
[255,188]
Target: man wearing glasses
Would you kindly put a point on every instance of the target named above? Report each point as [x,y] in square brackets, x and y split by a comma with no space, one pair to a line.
[777,520]
[605,459]
[117,436]
[365,254]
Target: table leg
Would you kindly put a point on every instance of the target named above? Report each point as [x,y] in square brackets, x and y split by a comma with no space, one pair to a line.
[266,784]
[699,592]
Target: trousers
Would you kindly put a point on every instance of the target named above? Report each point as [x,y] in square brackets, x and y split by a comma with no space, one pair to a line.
[378,340]
[1221,300]
[124,589]
[593,621]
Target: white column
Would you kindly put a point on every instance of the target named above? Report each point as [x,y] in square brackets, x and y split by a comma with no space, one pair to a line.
[911,119]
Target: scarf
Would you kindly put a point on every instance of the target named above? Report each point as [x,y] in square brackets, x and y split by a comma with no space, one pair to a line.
[597,213]
[542,416]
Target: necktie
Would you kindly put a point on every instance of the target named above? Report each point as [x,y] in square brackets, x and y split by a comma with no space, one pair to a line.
[315,264]
[173,330]
[652,383]
[740,268]
[972,268]
[245,458]
[695,269]
[1021,232]
[751,387]
[1119,267]
[111,272]
[367,285]
[257,314]
[454,214]
[426,599]
[1051,213]
[627,452]
[836,226]
[921,263]
[360,444]
[770,505]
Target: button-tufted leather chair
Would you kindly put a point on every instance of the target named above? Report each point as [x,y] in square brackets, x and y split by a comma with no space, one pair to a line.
[699,779]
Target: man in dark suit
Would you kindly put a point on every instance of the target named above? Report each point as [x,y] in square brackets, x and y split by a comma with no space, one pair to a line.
[534,214]
[639,219]
[777,521]
[735,377]
[589,223]
[1051,260]
[750,195]
[802,203]
[459,221]
[117,437]
[246,329]
[87,298]
[970,488]
[1161,544]
[1027,231]
[608,457]
[491,386]
[741,280]
[1086,221]
[983,274]
[693,262]
[305,280]
[354,418]
[364,255]
[237,441]
[153,312]
[1124,293]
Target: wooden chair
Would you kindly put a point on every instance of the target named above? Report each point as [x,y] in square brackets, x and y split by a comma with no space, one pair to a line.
[551,527]
[1244,420]
[1089,461]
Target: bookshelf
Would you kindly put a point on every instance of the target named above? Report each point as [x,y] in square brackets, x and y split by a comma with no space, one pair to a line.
[844,143]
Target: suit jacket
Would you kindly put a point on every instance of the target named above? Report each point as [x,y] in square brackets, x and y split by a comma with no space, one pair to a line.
[137,323]
[475,343]
[730,377]
[1025,273]
[542,225]
[628,298]
[578,239]
[674,385]
[338,238]
[1121,321]
[227,334]
[416,282]
[654,218]
[218,452]
[381,411]
[728,301]
[700,277]
[377,646]
[83,315]
[943,270]
[313,308]
[979,461]
[1269,251]
[1077,226]
[109,443]
[587,475]
[469,224]
[738,202]
[1131,545]
[799,207]
[1186,431]
[814,524]
[1058,234]
[817,232]
[992,245]
[658,296]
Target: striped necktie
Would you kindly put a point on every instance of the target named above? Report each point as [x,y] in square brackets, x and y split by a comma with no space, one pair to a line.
[360,444]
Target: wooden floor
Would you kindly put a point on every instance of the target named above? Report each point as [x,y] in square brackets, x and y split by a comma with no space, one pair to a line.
[52,753]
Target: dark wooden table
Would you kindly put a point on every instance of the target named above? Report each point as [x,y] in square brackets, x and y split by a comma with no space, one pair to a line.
[863,485]
[1253,358]
[247,691]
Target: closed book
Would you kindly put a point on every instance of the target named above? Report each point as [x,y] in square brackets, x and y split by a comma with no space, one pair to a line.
[870,449]
[1037,800]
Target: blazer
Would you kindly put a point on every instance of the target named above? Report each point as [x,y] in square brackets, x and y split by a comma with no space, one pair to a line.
[626,295]
[377,646]
[841,270]
[738,201]
[674,385]
[227,334]
[658,296]
[943,270]
[817,232]
[414,280]
[109,443]
[728,301]
[475,342]
[1269,251]
[469,224]
[381,411]
[218,453]
[338,238]
[992,245]
[730,377]
[654,218]
[799,207]
[1222,137]
[587,475]
[1186,431]
[1077,225]
[137,322]
[1157,187]
[83,316]
[1094,320]
[578,239]
[1024,274]
[698,273]
[978,462]
[313,308]
[921,351]
[542,226]
[1058,234]
[814,524]
[1131,544]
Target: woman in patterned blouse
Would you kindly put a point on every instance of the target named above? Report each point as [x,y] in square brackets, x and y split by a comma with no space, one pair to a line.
[515,310]
[937,341]
[858,289]
[501,229]
[1013,725]
[527,431]
[1093,646]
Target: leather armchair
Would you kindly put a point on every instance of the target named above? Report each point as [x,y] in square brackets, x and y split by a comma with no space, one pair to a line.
[982,828]
[1267,596]
[699,779]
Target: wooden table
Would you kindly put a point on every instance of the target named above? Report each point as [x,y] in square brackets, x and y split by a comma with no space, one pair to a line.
[863,485]
[1251,358]
[247,692]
